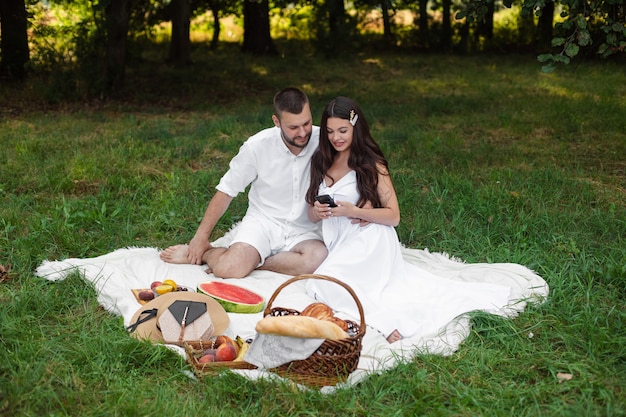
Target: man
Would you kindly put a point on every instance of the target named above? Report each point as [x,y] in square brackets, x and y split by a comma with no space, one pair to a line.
[276,233]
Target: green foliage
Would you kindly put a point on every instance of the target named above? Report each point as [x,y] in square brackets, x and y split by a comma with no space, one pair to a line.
[598,27]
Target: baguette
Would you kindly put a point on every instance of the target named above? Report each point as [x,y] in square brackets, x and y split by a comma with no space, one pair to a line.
[300,326]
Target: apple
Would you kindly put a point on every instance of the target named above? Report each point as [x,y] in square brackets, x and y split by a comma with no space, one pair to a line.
[155,284]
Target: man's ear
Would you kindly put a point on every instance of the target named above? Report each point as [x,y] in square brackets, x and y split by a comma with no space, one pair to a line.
[275,120]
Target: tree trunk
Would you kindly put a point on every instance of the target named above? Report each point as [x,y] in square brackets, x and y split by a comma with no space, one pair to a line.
[545,26]
[117,14]
[256,28]
[423,21]
[13,38]
[336,17]
[180,44]
[485,25]
[446,26]
[384,5]
[215,10]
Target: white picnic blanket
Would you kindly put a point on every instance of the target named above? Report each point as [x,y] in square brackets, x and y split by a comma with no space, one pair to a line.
[115,274]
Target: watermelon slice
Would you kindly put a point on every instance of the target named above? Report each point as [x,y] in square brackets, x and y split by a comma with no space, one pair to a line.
[233,298]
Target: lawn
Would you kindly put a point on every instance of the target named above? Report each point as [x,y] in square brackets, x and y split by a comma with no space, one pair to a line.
[493,161]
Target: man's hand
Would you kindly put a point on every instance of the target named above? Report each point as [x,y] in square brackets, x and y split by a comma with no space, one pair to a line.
[197,247]
[362,222]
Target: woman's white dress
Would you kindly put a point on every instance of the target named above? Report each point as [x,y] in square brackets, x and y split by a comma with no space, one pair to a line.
[394,293]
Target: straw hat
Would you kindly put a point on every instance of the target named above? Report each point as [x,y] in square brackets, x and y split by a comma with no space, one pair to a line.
[148,329]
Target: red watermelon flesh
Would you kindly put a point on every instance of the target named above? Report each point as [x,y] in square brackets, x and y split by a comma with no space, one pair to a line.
[233,298]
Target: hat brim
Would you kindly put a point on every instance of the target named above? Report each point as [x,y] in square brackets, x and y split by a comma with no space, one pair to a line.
[148,330]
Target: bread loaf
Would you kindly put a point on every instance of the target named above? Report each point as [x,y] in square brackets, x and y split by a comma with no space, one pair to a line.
[300,326]
[318,310]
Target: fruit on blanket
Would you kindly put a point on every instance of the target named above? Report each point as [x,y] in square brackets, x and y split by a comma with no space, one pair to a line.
[146,295]
[206,359]
[155,284]
[172,283]
[207,356]
[243,349]
[221,339]
[226,352]
[163,288]
[233,298]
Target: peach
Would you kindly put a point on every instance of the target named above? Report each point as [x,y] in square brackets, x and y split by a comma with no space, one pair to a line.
[146,295]
[226,352]
[206,358]
[219,340]
[208,355]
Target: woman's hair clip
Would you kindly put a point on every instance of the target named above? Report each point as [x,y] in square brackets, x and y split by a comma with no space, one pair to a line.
[353,117]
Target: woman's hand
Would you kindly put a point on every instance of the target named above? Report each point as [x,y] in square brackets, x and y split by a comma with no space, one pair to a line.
[319,212]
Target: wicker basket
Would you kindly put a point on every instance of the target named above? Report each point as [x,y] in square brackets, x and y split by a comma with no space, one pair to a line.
[195,348]
[334,360]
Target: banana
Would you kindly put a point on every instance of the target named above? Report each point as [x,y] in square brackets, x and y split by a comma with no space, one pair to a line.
[243,348]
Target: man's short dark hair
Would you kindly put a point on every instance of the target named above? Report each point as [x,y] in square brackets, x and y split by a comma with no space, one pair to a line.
[291,100]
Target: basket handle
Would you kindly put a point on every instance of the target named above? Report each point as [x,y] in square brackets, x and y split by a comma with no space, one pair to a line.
[268,306]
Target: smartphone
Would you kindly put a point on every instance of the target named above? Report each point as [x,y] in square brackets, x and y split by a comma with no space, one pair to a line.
[326,199]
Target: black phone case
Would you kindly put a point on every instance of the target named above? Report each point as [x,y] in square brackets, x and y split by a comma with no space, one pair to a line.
[326,199]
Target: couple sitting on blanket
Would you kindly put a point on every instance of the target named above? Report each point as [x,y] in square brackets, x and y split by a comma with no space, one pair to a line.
[287,166]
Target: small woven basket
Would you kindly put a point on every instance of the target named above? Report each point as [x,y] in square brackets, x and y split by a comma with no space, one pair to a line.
[334,360]
[194,350]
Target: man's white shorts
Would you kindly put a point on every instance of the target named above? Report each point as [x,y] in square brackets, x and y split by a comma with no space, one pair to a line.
[267,237]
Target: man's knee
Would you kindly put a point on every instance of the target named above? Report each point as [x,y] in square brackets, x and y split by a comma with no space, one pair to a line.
[236,262]
[314,256]
[229,271]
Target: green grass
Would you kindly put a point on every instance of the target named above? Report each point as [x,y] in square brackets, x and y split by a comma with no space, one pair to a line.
[493,161]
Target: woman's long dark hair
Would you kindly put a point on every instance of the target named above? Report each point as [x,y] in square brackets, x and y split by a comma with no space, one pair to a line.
[365,154]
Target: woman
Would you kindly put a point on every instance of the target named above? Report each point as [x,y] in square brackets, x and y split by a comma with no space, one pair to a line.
[399,299]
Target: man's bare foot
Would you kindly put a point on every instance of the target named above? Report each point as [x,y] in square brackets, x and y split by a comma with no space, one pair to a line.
[176,254]
[394,336]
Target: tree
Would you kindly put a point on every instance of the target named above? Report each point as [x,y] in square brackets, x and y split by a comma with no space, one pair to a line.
[423,21]
[256,28]
[215,10]
[545,27]
[117,13]
[14,38]
[180,44]
[446,25]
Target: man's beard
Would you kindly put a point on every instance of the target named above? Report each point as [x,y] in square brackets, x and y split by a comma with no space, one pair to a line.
[291,142]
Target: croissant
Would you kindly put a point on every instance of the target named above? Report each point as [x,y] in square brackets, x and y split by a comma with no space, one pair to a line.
[339,322]
[318,310]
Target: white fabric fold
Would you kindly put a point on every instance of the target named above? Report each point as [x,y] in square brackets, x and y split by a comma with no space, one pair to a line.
[269,351]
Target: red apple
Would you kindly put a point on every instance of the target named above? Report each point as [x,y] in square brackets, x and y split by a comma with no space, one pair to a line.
[155,284]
